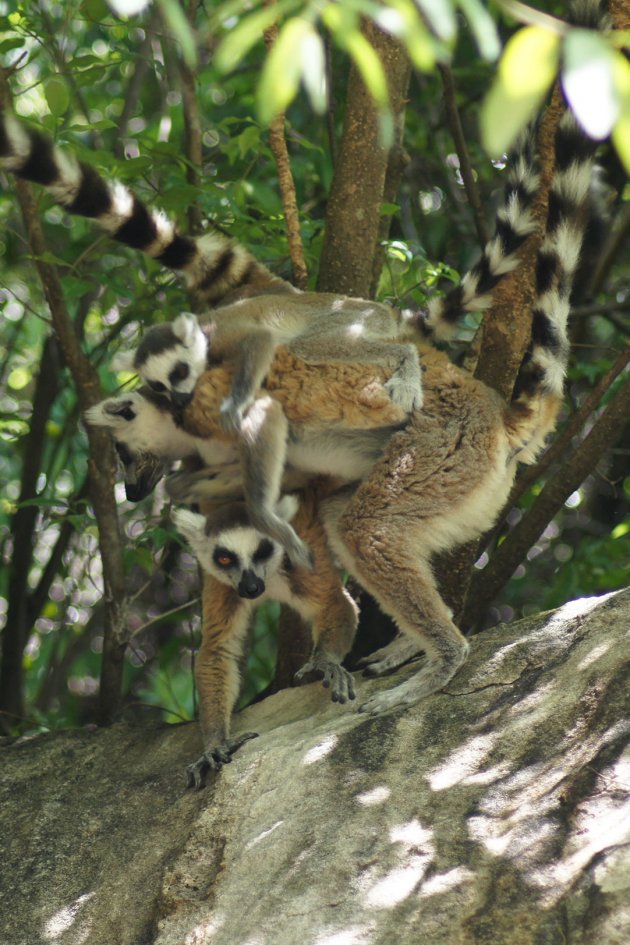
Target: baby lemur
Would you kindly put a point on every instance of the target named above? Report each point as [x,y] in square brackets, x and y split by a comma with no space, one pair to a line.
[243,568]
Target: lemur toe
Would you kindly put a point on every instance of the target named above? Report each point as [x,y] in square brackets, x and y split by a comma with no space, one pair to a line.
[214,758]
[334,677]
[405,394]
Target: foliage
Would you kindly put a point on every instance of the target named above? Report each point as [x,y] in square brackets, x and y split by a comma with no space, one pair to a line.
[112,89]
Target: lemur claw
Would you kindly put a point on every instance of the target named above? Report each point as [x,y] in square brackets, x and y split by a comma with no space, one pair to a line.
[213,759]
[334,677]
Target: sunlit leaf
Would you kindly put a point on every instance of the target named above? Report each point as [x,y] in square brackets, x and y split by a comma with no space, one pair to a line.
[314,69]
[588,82]
[181,28]
[526,71]
[441,16]
[483,27]
[128,7]
[57,96]
[284,67]
[239,40]
[621,131]
[400,18]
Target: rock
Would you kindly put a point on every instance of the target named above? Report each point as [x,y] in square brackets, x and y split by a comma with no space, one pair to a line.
[494,813]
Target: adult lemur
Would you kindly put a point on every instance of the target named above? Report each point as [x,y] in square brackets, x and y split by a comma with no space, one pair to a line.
[243,568]
[254,312]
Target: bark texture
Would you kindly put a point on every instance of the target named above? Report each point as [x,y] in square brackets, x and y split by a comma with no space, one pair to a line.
[353,217]
[495,813]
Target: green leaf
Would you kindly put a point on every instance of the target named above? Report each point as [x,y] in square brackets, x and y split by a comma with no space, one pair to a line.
[176,20]
[526,71]
[242,37]
[57,96]
[440,15]
[483,27]
[8,44]
[282,70]
[621,131]
[588,81]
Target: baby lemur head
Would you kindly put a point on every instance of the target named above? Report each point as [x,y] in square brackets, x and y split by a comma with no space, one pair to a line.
[229,548]
[146,437]
[170,358]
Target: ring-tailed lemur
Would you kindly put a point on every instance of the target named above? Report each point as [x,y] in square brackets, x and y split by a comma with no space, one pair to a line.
[442,479]
[243,568]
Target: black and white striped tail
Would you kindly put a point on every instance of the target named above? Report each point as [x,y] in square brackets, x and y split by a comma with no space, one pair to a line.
[514,224]
[213,264]
[541,378]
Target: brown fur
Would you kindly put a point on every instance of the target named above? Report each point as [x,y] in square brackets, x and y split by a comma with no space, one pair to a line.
[317,595]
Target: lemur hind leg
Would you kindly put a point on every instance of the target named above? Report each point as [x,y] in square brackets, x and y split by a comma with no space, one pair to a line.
[400,360]
[263,446]
[388,566]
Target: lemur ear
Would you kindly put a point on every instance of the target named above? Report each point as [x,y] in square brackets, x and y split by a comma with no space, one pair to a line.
[287,507]
[109,412]
[185,327]
[191,525]
[123,361]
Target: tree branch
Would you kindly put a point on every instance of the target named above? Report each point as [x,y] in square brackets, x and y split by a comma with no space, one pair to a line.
[465,167]
[278,145]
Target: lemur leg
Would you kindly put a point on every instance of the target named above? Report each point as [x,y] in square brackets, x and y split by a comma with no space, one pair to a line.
[251,365]
[263,447]
[218,677]
[385,557]
[401,650]
[400,360]
[329,608]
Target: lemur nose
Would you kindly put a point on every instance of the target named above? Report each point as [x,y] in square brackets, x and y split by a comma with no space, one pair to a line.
[250,586]
[180,399]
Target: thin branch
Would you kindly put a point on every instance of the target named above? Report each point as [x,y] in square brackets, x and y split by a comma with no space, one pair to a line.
[610,251]
[167,613]
[192,129]
[465,167]
[278,144]
[486,584]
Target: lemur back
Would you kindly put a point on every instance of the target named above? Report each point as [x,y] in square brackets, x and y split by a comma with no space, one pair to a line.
[242,568]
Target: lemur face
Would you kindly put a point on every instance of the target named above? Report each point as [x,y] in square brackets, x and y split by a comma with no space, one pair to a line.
[170,358]
[231,550]
[140,431]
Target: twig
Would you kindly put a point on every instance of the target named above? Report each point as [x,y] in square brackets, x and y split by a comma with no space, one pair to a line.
[465,167]
[278,144]
[192,130]
[609,252]
[167,613]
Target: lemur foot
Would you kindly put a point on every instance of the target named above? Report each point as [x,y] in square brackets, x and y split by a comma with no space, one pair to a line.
[231,415]
[335,677]
[401,650]
[214,758]
[433,676]
[405,392]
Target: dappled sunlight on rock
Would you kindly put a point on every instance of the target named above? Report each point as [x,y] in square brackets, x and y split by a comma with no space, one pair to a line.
[64,919]
[465,761]
[265,833]
[443,882]
[377,795]
[356,935]
[203,932]
[321,750]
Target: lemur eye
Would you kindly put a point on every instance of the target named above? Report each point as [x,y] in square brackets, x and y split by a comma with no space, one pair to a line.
[224,558]
[264,550]
[179,373]
[157,386]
